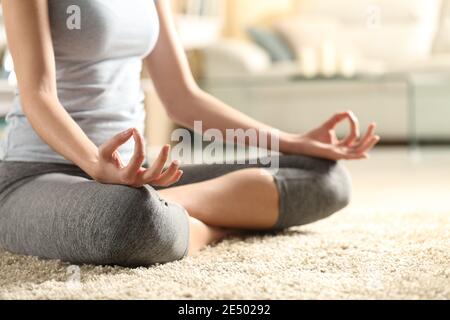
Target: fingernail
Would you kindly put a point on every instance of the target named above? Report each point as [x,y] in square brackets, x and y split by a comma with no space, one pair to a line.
[127,131]
[176,162]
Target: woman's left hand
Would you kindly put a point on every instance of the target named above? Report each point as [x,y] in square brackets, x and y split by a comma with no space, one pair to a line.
[323,142]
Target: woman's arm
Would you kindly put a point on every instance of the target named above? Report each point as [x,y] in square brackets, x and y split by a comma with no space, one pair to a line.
[29,39]
[185,102]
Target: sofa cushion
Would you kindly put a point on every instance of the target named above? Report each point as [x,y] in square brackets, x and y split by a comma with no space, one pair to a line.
[378,29]
[442,40]
[361,11]
[272,42]
[231,58]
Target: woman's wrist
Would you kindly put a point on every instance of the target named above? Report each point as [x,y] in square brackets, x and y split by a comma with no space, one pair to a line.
[89,163]
[288,142]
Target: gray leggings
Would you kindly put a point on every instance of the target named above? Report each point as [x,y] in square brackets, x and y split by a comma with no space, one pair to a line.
[56,211]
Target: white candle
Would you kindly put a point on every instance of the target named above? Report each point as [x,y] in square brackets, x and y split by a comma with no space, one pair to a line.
[308,62]
[348,66]
[328,61]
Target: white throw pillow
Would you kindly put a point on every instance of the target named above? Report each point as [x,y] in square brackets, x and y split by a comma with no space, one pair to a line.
[390,30]
[308,30]
[442,40]
[360,11]
[230,58]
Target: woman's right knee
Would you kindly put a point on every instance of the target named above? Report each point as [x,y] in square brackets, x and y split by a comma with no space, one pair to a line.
[135,227]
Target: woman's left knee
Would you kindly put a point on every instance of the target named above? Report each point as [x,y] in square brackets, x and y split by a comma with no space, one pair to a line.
[311,195]
[331,192]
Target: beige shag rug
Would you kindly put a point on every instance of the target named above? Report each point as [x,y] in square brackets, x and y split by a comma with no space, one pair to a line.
[393,242]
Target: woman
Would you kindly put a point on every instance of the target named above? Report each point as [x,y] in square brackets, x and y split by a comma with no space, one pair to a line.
[72,181]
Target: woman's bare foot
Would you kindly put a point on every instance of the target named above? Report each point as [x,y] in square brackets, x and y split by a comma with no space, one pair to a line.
[201,235]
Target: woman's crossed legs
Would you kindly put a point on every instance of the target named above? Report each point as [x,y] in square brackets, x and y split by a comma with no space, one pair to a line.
[56,211]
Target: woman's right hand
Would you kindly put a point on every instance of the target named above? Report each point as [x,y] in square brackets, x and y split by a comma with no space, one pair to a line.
[110,169]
